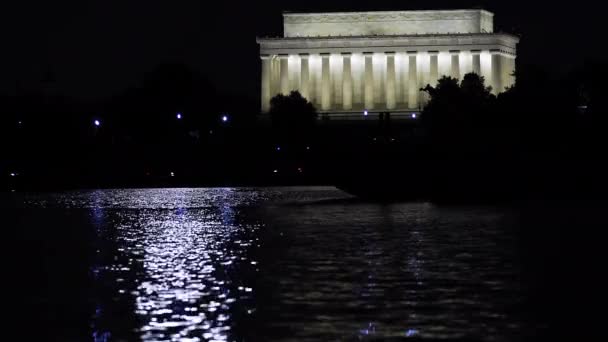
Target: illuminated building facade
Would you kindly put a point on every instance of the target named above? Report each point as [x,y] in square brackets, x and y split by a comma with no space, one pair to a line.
[378,61]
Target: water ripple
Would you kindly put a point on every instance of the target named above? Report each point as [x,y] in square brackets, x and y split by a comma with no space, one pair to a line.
[287,264]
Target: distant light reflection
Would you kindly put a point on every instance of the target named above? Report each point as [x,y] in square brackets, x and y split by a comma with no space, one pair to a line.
[183,257]
[101,337]
[178,265]
[411,333]
[100,334]
[371,329]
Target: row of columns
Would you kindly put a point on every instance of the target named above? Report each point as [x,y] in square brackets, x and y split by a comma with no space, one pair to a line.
[498,73]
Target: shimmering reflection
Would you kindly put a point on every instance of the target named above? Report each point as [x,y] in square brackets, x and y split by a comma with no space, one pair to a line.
[180,256]
[292,264]
[352,270]
[179,293]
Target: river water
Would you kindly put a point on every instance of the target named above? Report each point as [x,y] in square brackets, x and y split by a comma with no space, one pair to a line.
[273,264]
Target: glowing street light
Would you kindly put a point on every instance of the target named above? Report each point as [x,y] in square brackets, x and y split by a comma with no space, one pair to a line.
[365,112]
[225,118]
[179,116]
[97,123]
[414,115]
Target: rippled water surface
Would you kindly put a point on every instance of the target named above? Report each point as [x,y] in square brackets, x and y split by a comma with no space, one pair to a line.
[278,264]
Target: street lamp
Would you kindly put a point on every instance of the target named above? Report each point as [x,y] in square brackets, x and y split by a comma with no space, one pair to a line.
[97,123]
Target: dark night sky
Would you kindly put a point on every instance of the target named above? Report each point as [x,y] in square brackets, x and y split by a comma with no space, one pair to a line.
[95,48]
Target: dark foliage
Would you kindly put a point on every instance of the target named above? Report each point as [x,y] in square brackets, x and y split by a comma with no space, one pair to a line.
[542,123]
[456,117]
[542,136]
[293,118]
[49,136]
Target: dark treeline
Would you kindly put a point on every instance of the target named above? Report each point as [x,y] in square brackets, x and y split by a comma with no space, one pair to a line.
[540,117]
[176,128]
[170,123]
[544,136]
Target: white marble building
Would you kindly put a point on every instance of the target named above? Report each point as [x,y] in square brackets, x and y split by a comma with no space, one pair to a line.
[378,61]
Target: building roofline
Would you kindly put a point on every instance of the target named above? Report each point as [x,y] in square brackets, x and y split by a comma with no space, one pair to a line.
[288,13]
[426,35]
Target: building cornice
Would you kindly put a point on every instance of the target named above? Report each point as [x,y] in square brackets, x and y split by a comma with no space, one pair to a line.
[514,38]
[505,43]
[341,17]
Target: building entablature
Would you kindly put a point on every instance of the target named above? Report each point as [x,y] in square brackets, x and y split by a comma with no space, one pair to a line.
[387,23]
[502,42]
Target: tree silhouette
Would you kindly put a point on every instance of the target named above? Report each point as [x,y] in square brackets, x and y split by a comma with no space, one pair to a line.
[473,86]
[459,116]
[293,118]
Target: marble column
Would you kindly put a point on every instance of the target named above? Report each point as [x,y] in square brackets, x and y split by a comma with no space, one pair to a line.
[275,76]
[335,67]
[266,66]
[314,83]
[369,80]
[379,76]
[305,77]
[404,66]
[509,71]
[325,83]
[496,71]
[398,79]
[391,101]
[356,69]
[347,81]
[284,87]
[413,90]
[434,68]
[455,65]
[476,61]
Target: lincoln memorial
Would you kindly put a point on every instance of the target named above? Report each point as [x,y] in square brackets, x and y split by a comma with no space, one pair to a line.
[378,61]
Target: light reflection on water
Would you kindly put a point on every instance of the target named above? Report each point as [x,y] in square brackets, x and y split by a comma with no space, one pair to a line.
[293,264]
[178,255]
[359,270]
[179,293]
